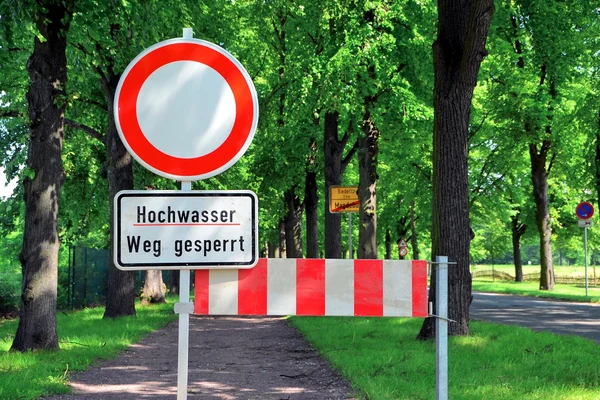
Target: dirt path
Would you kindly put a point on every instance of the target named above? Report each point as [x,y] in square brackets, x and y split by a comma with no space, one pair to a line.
[229,358]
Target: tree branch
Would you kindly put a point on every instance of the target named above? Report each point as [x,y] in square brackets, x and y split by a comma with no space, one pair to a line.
[474,132]
[521,229]
[422,171]
[103,79]
[93,102]
[277,88]
[546,143]
[346,137]
[551,163]
[90,131]
[346,160]
[479,189]
[81,48]
[10,114]
[398,70]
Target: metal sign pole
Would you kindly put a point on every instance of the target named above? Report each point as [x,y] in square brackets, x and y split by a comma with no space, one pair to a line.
[586,258]
[183,343]
[184,324]
[441,328]
[350,254]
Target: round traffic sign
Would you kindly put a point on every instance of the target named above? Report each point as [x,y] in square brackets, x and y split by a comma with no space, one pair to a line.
[186,109]
[403,251]
[584,210]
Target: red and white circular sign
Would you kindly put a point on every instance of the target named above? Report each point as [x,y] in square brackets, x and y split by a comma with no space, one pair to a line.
[186,109]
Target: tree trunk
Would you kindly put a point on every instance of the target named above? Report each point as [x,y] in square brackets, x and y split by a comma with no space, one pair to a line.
[414,243]
[282,246]
[539,178]
[273,251]
[293,224]
[154,287]
[333,176]
[457,55]
[120,286]
[560,260]
[262,252]
[334,164]
[174,289]
[597,159]
[518,229]
[46,100]
[368,150]
[388,244]
[311,200]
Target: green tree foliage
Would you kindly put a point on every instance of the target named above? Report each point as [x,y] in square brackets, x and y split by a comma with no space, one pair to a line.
[342,86]
[537,78]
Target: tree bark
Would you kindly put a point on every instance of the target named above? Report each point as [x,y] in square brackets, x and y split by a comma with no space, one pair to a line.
[597,158]
[457,55]
[46,103]
[388,244]
[539,178]
[273,251]
[293,224]
[368,151]
[334,166]
[154,287]
[518,229]
[333,177]
[311,201]
[174,289]
[414,243]
[282,245]
[120,291]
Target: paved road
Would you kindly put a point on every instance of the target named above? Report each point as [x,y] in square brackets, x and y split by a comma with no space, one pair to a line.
[582,319]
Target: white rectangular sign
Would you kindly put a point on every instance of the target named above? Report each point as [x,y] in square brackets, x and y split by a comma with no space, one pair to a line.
[585,223]
[172,229]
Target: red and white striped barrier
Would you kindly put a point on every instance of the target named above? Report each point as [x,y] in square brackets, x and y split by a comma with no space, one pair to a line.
[381,288]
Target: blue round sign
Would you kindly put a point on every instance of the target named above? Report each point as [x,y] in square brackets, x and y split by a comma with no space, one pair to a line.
[584,210]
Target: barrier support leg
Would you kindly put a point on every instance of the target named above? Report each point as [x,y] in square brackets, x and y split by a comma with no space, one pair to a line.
[441,328]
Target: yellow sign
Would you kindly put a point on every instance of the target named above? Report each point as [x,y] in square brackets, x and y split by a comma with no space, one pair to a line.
[343,199]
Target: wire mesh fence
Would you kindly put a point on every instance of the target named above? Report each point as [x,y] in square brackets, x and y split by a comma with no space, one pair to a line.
[506,277]
[83,284]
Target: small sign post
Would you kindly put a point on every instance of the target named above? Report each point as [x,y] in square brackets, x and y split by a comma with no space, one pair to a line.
[584,212]
[344,199]
[402,248]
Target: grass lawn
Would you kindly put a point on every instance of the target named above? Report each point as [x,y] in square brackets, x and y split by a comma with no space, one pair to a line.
[84,338]
[382,359]
[561,292]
